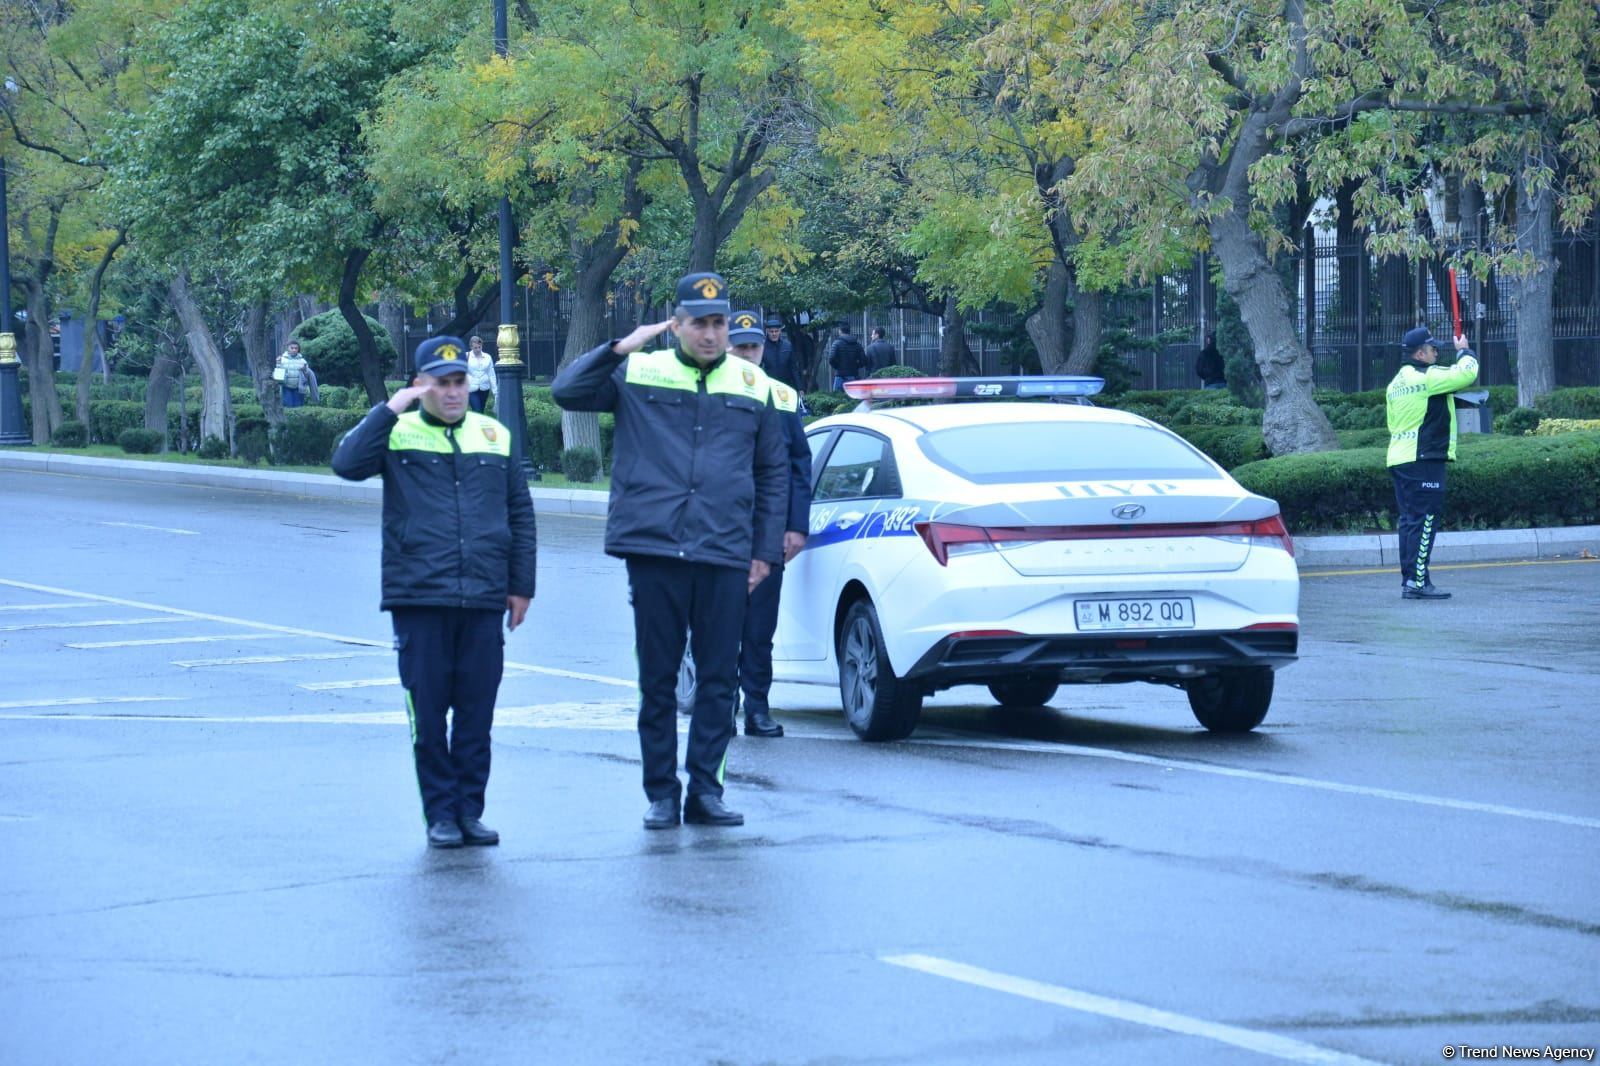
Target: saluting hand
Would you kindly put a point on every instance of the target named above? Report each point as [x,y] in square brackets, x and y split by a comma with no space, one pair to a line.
[420,386]
[639,337]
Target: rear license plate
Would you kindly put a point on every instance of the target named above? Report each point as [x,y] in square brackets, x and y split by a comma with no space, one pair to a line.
[1165,612]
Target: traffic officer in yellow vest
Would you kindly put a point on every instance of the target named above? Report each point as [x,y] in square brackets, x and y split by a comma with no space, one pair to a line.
[747,340]
[458,551]
[1422,439]
[699,484]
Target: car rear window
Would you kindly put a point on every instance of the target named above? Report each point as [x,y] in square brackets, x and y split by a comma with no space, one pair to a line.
[1059,451]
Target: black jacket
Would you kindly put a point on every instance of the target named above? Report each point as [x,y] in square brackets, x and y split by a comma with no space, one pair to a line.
[699,471]
[458,526]
[880,353]
[778,361]
[794,433]
[846,356]
[1208,366]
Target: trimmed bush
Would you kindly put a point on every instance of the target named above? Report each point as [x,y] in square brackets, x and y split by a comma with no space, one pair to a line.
[897,370]
[1569,403]
[252,443]
[329,345]
[141,441]
[543,438]
[70,435]
[1230,446]
[308,435]
[1363,438]
[212,448]
[1551,427]
[1499,483]
[1203,413]
[108,418]
[1517,422]
[580,464]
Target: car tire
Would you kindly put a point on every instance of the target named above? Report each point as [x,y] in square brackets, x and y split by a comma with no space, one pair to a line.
[1024,691]
[877,704]
[1232,701]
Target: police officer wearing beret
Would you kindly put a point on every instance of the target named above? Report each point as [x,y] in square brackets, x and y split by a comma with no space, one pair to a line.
[1422,439]
[458,550]
[699,486]
[761,615]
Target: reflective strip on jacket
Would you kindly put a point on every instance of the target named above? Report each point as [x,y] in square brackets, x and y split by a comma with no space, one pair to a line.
[699,471]
[1422,417]
[458,525]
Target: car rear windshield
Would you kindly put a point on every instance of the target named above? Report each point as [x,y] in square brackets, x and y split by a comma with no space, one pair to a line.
[1060,451]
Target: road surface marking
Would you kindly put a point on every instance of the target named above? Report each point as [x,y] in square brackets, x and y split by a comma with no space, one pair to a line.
[602,679]
[366,682]
[252,660]
[157,529]
[1393,567]
[87,701]
[49,607]
[177,640]
[603,716]
[87,625]
[1269,1044]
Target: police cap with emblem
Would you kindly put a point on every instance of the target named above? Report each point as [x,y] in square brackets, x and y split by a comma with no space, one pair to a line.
[1416,338]
[442,355]
[745,328]
[703,294]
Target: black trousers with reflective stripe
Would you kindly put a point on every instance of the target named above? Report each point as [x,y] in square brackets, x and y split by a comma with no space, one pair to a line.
[1419,495]
[755,650]
[673,599]
[451,659]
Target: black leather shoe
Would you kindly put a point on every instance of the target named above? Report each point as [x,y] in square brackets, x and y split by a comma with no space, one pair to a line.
[760,724]
[1413,591]
[709,810]
[444,834]
[663,814]
[477,834]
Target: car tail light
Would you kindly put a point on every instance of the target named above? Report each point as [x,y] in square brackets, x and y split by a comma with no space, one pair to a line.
[900,388]
[945,539]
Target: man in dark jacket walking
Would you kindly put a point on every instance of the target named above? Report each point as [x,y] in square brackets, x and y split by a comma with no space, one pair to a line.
[459,549]
[777,355]
[846,356]
[880,353]
[699,486]
[761,614]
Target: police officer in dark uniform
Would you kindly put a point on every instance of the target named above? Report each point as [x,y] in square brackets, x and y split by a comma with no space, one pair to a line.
[761,615]
[458,550]
[1422,439]
[699,484]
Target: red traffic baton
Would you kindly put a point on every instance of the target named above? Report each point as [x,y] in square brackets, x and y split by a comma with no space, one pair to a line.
[1455,304]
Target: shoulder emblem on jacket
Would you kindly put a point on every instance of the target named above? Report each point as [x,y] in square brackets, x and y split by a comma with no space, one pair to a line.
[783,397]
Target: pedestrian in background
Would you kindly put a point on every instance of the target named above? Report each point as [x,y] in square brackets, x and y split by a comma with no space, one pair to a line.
[846,356]
[481,382]
[459,550]
[880,353]
[761,613]
[777,355]
[1209,365]
[291,375]
[1422,439]
[698,491]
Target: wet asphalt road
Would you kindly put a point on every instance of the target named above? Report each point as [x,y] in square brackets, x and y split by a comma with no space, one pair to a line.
[205,859]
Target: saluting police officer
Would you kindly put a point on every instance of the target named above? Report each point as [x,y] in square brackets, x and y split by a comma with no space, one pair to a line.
[1422,439]
[699,485]
[745,340]
[458,549]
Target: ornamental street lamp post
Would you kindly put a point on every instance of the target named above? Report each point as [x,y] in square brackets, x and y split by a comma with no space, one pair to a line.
[509,367]
[11,427]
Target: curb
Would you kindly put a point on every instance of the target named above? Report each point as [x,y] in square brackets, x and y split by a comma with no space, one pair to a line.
[1494,545]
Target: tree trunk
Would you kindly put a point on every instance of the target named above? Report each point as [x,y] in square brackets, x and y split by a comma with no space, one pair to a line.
[1536,356]
[40,357]
[91,329]
[1088,310]
[1047,327]
[954,354]
[158,393]
[371,369]
[391,315]
[1293,422]
[214,404]
[259,353]
[585,329]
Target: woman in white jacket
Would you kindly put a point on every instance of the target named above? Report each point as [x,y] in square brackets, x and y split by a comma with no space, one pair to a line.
[481,377]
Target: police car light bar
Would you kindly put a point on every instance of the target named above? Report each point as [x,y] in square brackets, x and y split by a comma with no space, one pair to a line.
[988,388]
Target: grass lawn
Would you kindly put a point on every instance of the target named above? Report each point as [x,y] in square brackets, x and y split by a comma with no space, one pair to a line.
[549,479]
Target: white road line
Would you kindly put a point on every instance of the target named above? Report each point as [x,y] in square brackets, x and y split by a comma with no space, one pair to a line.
[253,660]
[1269,1044]
[87,701]
[620,682]
[1270,778]
[156,529]
[366,682]
[87,625]
[178,640]
[48,606]
[600,716]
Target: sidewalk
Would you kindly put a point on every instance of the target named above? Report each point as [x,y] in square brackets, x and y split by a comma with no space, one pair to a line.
[1310,552]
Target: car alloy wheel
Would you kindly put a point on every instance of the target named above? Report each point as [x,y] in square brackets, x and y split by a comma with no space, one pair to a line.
[878,705]
[858,672]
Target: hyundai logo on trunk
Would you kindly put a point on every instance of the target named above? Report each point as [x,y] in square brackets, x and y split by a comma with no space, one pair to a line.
[1129,511]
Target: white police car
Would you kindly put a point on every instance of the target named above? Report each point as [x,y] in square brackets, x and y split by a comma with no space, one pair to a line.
[1026,545]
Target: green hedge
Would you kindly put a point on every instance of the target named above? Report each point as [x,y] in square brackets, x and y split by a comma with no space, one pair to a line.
[1568,403]
[1230,446]
[308,435]
[1499,483]
[329,345]
[108,418]
[139,441]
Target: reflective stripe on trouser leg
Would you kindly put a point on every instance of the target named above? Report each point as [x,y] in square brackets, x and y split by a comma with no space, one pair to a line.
[1424,550]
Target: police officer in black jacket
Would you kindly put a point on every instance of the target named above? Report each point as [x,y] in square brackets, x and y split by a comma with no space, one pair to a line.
[458,550]
[699,484]
[761,616]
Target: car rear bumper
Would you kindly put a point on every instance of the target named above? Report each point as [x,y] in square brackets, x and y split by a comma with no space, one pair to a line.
[1101,658]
